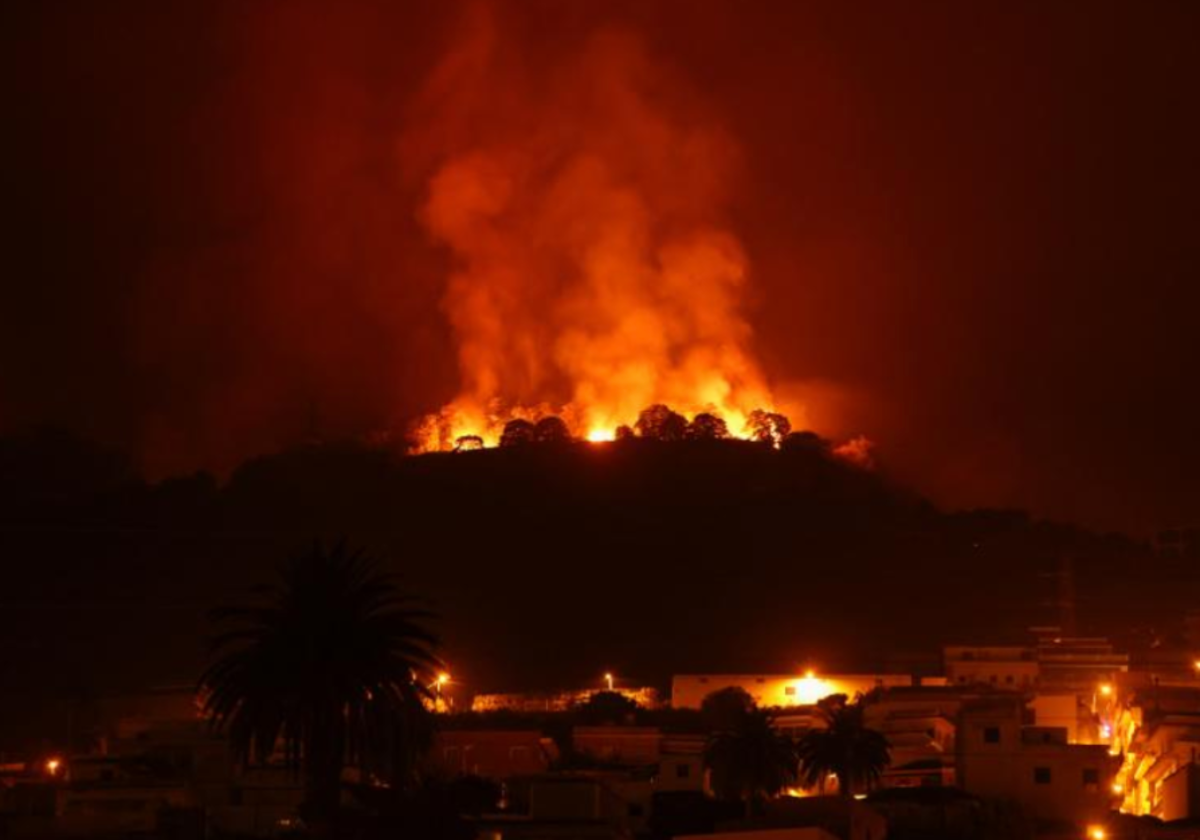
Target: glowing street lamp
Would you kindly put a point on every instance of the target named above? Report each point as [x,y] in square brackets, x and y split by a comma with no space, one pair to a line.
[608,680]
[1096,832]
[53,765]
[439,681]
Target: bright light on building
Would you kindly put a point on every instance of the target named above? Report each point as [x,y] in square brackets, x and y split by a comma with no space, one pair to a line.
[809,689]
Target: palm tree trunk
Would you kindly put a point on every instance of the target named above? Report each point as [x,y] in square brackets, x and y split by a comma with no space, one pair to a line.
[323,773]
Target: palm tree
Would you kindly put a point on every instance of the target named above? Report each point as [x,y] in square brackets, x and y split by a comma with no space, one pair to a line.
[750,760]
[324,666]
[844,747]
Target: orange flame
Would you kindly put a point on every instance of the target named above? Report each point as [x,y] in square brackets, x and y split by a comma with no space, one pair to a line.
[596,273]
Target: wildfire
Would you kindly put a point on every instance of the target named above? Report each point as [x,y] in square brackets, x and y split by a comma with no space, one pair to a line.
[585,206]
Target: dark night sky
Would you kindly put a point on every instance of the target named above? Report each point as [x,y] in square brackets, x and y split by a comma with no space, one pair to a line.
[974,225]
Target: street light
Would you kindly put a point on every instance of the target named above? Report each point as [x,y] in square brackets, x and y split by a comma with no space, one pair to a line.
[440,680]
[52,766]
[608,680]
[1096,832]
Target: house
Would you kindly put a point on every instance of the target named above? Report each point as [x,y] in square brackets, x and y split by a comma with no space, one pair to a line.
[1158,733]
[496,754]
[1001,755]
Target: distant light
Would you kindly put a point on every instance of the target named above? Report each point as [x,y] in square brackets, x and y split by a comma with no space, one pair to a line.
[443,678]
[608,680]
[601,436]
[1118,788]
[809,689]
[1096,832]
[860,796]
[53,765]
[1105,689]
[1196,664]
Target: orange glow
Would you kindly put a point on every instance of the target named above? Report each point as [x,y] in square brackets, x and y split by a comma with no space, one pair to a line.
[1106,689]
[1096,832]
[596,272]
[53,765]
[810,688]
[443,678]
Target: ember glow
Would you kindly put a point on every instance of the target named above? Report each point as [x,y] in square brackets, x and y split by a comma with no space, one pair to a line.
[596,271]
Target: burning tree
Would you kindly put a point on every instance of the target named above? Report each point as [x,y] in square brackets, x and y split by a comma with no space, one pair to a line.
[705,426]
[658,422]
[551,430]
[768,426]
[517,433]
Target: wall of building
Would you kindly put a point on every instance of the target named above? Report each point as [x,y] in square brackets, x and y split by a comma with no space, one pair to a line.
[998,756]
[1007,667]
[779,690]
[493,754]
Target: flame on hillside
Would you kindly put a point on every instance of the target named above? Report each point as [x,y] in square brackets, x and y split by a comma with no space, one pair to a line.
[583,199]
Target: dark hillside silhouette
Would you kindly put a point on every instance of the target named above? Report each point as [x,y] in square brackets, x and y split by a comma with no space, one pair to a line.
[549,563]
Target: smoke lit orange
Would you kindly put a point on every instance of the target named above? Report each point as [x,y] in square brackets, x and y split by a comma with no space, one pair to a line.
[595,270]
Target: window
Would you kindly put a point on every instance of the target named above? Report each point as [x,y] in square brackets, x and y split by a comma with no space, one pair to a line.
[682,771]
[1041,775]
[1091,778]
[991,734]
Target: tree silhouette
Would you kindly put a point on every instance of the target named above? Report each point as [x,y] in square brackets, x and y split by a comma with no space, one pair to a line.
[705,426]
[606,707]
[517,433]
[752,761]
[551,430]
[658,422]
[724,710]
[324,666]
[805,442]
[768,426]
[842,746]
[468,443]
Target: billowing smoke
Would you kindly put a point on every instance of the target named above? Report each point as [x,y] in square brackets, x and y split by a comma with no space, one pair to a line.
[583,195]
